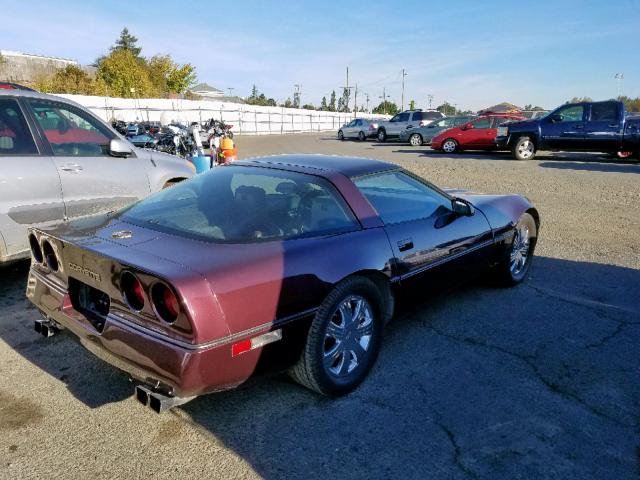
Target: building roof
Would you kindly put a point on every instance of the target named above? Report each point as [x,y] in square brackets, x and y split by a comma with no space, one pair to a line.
[204,87]
[504,107]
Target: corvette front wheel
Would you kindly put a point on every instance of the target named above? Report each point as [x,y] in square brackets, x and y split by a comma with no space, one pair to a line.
[344,339]
[515,266]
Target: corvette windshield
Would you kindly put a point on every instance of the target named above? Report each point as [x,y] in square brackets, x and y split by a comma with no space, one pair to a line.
[246,204]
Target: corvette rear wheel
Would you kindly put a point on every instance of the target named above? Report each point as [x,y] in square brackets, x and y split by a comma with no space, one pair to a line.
[516,264]
[343,340]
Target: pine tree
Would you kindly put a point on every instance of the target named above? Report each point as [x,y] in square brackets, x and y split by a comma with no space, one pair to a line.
[323,104]
[128,42]
[332,102]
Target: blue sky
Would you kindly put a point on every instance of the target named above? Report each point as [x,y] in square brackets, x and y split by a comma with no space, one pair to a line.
[470,53]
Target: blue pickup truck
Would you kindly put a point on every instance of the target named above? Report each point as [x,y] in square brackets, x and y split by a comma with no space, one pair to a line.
[586,126]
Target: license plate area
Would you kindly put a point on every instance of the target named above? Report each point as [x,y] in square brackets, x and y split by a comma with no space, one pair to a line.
[91,302]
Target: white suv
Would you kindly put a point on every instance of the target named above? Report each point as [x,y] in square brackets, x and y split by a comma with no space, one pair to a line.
[404,120]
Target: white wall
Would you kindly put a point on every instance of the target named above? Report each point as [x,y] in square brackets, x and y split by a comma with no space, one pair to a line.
[246,119]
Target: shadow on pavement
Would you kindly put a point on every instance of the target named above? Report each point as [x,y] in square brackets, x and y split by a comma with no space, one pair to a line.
[537,381]
[594,166]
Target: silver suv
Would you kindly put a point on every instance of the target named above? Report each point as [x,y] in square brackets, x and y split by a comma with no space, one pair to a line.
[60,162]
[404,120]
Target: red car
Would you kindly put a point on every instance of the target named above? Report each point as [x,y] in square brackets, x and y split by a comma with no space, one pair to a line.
[477,134]
[294,258]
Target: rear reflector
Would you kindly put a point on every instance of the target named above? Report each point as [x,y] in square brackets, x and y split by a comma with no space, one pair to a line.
[255,342]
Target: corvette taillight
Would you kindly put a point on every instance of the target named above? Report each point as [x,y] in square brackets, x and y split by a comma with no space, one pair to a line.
[50,256]
[165,302]
[36,251]
[132,291]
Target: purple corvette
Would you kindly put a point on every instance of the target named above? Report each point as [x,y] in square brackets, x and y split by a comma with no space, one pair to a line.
[293,258]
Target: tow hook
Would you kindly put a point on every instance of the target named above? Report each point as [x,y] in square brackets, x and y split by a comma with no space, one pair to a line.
[46,328]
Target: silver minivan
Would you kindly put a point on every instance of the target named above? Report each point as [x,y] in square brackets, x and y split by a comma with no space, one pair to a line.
[60,162]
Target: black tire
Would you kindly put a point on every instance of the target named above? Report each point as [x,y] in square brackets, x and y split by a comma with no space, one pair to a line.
[523,149]
[382,135]
[415,140]
[506,275]
[361,136]
[340,135]
[310,370]
[230,135]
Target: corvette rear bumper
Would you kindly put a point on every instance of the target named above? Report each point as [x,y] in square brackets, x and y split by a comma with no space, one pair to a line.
[148,357]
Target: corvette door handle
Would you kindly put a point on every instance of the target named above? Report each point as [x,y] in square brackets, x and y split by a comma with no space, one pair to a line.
[406,244]
[579,126]
[613,125]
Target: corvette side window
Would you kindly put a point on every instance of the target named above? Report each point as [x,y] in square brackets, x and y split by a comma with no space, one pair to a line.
[397,197]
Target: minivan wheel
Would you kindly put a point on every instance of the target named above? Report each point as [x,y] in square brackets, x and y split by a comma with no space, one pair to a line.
[382,135]
[344,339]
[415,140]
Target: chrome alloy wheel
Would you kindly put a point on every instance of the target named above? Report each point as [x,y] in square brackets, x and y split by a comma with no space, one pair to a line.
[415,140]
[348,336]
[519,251]
[449,146]
[525,149]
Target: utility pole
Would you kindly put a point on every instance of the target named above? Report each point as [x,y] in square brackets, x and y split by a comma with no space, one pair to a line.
[430,97]
[404,74]
[347,88]
[619,77]
[231,89]
[355,103]
[297,95]
[367,97]
[384,100]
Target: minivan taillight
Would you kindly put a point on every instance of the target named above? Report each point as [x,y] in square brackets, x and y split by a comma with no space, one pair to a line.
[165,303]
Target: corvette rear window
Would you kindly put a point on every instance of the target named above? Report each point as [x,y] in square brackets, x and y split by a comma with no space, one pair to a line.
[238,204]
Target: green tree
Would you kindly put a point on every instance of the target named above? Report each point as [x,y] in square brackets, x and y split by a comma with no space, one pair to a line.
[287,103]
[169,77]
[127,42]
[630,104]
[386,107]
[71,79]
[323,104]
[332,101]
[580,99]
[126,75]
[308,106]
[412,105]
[343,103]
[447,109]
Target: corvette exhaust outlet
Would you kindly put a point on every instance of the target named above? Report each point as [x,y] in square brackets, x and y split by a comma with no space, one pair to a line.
[158,402]
[45,328]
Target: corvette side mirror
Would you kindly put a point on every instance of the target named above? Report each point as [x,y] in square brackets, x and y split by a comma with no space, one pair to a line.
[462,207]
